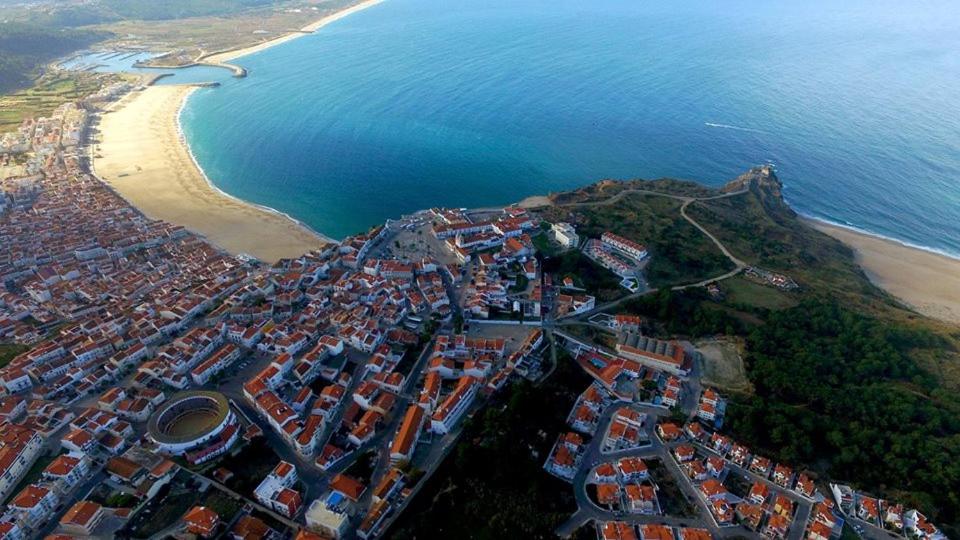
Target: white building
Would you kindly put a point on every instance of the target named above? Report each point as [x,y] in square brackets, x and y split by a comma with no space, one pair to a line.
[69,469]
[453,407]
[34,505]
[565,235]
[624,245]
[276,488]
[19,448]
[329,519]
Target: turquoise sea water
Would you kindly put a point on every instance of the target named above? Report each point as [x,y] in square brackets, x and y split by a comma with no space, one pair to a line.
[416,103]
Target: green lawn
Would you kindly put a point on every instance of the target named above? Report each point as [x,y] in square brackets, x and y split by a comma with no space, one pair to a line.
[9,351]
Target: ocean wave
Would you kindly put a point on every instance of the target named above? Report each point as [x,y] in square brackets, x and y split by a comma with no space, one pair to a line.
[735,128]
[193,157]
[851,227]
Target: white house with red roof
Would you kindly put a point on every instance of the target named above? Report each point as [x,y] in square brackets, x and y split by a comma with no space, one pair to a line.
[34,505]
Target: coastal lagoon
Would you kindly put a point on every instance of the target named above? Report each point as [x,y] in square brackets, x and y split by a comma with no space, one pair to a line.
[416,103]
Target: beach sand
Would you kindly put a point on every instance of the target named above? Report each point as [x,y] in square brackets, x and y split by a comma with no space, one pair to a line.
[926,281]
[535,201]
[142,156]
[226,56]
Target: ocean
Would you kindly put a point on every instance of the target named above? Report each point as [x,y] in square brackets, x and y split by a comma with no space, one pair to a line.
[468,103]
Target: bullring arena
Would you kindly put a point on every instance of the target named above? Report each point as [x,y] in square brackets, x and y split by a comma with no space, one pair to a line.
[188,420]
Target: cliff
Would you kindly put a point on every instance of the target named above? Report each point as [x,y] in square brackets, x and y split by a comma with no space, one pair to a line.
[763,183]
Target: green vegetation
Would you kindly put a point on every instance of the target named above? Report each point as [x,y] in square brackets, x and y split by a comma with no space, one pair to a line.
[545,246]
[521,284]
[679,252]
[605,189]
[9,351]
[250,465]
[221,503]
[362,467]
[172,501]
[595,279]
[120,500]
[747,294]
[173,9]
[47,93]
[108,11]
[493,485]
[672,500]
[687,313]
[837,391]
[765,232]
[26,47]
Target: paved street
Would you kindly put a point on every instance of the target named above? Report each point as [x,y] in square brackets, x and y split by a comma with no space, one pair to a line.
[657,450]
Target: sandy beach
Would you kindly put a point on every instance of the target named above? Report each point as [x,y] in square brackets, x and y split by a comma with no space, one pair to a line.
[926,281]
[226,56]
[535,201]
[141,154]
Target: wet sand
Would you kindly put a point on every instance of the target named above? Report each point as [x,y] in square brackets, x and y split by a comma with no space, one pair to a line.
[926,281]
[143,156]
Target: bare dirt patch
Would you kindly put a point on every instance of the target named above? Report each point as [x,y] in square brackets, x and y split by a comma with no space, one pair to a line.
[723,365]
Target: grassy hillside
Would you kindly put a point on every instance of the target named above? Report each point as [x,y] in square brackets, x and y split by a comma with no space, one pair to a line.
[24,48]
[679,252]
[72,15]
[845,381]
[840,392]
[776,239]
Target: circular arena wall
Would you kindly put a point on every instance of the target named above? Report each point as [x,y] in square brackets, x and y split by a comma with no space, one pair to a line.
[188,420]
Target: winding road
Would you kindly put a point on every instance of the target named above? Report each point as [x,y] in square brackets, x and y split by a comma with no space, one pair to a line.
[739,265]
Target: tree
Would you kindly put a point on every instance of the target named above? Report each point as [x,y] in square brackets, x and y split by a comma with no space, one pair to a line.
[836,391]
[458,323]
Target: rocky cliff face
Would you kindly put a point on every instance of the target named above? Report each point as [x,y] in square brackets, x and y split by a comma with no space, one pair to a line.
[763,183]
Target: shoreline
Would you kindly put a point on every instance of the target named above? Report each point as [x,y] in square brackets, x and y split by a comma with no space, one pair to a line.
[183,141]
[178,190]
[236,225]
[925,280]
[223,58]
[143,155]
